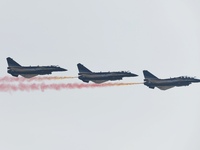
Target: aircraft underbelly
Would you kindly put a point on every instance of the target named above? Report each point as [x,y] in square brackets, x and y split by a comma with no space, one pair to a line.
[28,75]
[164,87]
[168,85]
[99,81]
[172,84]
[33,72]
[102,78]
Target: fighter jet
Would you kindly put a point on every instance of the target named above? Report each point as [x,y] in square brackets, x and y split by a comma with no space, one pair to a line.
[164,84]
[16,69]
[99,77]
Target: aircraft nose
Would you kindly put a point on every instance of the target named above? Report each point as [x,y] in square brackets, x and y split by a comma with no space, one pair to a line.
[63,69]
[196,80]
[134,75]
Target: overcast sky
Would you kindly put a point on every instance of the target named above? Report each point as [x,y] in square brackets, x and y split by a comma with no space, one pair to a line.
[106,35]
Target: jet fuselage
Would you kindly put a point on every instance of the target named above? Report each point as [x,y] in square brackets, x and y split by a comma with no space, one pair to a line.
[34,69]
[179,81]
[99,77]
[30,71]
[152,81]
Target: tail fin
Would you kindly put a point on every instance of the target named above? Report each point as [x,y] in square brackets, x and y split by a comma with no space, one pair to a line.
[148,75]
[12,63]
[82,68]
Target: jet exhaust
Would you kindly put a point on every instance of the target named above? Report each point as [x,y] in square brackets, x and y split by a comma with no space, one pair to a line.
[61,86]
[21,79]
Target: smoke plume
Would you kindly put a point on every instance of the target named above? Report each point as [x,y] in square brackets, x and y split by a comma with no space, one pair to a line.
[7,87]
[22,79]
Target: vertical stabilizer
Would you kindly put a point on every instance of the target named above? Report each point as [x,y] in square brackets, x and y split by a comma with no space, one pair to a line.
[12,63]
[148,75]
[82,69]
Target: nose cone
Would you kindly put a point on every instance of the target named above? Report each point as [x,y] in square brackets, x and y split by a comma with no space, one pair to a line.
[62,69]
[57,68]
[129,74]
[133,75]
[196,80]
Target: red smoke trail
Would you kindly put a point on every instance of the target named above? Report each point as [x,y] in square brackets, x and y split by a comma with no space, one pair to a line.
[43,86]
[21,79]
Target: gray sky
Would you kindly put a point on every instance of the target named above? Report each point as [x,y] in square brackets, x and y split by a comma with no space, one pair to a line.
[106,35]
